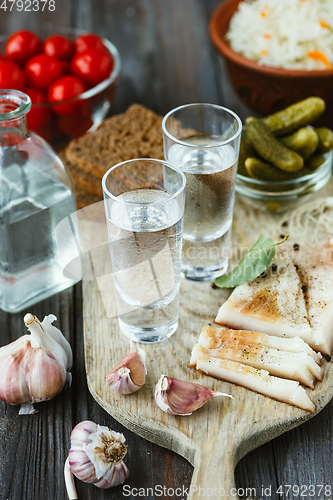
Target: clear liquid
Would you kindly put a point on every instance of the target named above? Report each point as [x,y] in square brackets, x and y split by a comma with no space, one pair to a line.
[145,244]
[30,265]
[210,191]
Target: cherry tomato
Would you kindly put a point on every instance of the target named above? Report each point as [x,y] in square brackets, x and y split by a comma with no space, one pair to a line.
[92,65]
[38,115]
[47,131]
[11,76]
[66,68]
[21,46]
[58,46]
[88,41]
[65,88]
[42,70]
[76,124]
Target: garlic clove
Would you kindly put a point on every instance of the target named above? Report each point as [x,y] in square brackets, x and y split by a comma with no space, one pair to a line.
[41,338]
[96,456]
[46,367]
[113,476]
[179,397]
[33,367]
[57,335]
[128,375]
[13,385]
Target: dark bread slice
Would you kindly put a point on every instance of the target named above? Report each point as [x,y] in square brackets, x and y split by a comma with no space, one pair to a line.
[137,133]
[88,189]
[84,181]
[84,199]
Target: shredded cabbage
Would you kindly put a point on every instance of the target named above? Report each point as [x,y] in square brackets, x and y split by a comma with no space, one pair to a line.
[291,34]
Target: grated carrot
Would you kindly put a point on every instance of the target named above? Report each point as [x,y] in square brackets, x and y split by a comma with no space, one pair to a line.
[323,24]
[267,35]
[319,56]
[263,13]
[264,52]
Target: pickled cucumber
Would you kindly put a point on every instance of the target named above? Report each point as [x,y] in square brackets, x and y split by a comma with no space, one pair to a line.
[304,141]
[258,169]
[270,148]
[325,136]
[245,150]
[314,162]
[295,116]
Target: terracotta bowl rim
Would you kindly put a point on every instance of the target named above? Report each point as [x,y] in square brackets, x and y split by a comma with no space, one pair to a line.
[224,48]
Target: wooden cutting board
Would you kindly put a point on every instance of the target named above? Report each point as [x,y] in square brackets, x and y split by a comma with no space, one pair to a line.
[214,438]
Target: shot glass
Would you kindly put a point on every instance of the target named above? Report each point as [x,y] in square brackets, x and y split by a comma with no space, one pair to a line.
[144,205]
[203,141]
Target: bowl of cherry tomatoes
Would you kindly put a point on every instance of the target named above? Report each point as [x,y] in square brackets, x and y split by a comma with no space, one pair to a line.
[71,78]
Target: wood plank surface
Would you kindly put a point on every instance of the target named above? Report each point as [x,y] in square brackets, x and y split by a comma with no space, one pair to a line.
[168,60]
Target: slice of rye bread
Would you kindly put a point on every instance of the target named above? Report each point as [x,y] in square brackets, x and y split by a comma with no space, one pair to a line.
[84,199]
[137,133]
[87,190]
[85,181]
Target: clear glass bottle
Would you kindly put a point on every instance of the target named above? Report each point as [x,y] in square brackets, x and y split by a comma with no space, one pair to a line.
[36,194]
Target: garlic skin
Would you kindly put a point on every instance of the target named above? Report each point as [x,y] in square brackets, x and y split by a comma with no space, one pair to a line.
[178,397]
[128,375]
[96,456]
[35,367]
[69,481]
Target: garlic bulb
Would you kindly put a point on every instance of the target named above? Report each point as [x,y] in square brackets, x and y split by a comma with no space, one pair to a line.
[35,367]
[178,397]
[96,456]
[128,375]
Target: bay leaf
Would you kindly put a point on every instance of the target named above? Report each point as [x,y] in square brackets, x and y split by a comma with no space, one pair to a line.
[254,263]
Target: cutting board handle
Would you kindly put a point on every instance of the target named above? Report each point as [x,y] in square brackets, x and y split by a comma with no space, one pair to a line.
[214,466]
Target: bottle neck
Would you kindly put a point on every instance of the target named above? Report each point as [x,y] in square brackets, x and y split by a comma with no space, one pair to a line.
[18,125]
[14,106]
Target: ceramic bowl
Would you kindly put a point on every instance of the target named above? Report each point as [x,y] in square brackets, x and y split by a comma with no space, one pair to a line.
[267,89]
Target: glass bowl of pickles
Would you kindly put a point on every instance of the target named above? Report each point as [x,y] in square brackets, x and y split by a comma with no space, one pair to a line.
[284,158]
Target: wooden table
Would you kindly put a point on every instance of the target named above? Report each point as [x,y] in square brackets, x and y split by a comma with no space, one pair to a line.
[168,60]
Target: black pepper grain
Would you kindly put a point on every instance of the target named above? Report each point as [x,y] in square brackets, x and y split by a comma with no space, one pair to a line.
[296,267]
[296,246]
[282,236]
[263,275]
[214,286]
[304,288]
[273,267]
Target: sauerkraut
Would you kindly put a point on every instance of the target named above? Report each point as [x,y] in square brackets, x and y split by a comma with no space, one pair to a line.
[291,34]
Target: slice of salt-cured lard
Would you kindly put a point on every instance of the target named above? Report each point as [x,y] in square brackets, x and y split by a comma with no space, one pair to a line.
[272,303]
[315,268]
[284,390]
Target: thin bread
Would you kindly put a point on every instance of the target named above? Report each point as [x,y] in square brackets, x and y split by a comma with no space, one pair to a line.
[88,191]
[85,181]
[137,133]
[84,199]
